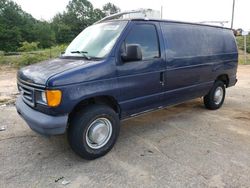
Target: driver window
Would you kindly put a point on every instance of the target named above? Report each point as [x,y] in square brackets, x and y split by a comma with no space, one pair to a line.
[145,35]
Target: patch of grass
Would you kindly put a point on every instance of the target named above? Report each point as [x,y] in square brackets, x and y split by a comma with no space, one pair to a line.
[8,101]
[2,101]
[27,58]
[240,42]
[242,58]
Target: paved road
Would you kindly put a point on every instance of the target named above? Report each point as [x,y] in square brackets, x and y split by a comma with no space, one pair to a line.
[182,146]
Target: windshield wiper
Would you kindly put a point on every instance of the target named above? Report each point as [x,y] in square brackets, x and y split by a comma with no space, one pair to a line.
[83,53]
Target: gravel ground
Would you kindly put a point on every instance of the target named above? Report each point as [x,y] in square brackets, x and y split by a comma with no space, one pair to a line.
[181,146]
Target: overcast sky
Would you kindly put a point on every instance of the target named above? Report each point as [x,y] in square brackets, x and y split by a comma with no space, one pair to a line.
[185,10]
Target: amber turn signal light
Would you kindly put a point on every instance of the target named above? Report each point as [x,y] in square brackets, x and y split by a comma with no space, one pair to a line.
[54,97]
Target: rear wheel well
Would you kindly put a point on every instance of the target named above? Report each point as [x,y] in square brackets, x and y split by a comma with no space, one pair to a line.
[105,100]
[224,78]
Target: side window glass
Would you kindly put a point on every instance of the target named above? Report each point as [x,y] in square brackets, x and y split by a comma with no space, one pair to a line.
[144,35]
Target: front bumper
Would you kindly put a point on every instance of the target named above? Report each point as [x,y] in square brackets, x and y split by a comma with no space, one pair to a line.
[40,122]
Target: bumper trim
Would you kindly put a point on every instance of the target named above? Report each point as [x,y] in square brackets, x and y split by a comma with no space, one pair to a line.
[232,81]
[39,122]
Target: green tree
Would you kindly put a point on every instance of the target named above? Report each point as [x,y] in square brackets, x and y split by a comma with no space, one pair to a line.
[45,35]
[16,26]
[110,9]
[10,20]
[63,33]
[98,14]
[78,15]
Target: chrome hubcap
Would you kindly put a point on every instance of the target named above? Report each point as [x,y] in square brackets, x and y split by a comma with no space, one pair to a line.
[218,95]
[99,133]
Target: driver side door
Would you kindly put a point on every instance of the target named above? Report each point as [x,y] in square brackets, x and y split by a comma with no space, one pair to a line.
[142,82]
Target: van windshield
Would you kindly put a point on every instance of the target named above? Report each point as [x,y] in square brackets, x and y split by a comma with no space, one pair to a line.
[96,41]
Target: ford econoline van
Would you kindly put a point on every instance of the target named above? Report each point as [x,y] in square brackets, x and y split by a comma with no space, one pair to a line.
[118,69]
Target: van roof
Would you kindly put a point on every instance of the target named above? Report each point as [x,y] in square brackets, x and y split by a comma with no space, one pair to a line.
[168,21]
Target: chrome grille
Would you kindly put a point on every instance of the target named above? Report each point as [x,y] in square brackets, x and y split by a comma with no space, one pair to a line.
[27,94]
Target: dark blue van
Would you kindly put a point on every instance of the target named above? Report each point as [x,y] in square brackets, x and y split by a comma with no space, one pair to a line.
[119,69]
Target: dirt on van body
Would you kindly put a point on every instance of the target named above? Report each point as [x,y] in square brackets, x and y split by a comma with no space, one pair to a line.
[181,146]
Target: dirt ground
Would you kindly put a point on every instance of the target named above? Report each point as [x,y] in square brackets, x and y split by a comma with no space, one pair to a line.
[182,146]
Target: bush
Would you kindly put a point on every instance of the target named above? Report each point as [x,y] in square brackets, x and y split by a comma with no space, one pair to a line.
[28,46]
[27,58]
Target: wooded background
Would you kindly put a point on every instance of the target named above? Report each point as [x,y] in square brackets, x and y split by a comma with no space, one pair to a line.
[19,31]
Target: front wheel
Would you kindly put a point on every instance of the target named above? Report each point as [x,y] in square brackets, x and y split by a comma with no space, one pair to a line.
[215,98]
[93,131]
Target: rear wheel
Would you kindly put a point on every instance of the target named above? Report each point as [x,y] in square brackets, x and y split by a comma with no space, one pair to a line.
[93,131]
[215,98]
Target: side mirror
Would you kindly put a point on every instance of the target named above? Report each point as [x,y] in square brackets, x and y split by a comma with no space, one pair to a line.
[133,53]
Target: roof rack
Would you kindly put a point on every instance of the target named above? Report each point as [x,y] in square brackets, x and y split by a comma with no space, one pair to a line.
[120,14]
[117,15]
[222,23]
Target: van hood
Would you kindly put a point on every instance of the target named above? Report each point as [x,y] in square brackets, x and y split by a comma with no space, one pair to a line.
[39,73]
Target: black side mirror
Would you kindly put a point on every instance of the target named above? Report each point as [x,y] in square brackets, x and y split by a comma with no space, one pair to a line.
[133,53]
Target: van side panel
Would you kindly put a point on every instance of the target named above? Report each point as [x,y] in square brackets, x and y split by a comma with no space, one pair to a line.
[196,55]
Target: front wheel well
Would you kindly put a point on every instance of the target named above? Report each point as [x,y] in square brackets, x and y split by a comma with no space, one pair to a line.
[224,78]
[105,100]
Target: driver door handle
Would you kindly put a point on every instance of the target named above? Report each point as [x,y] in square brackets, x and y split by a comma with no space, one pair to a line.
[162,78]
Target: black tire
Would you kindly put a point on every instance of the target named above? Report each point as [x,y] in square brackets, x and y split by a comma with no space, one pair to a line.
[79,126]
[209,100]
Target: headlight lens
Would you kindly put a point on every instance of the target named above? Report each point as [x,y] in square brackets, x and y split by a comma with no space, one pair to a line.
[43,97]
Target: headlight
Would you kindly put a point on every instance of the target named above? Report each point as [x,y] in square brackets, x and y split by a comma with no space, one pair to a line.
[41,97]
[50,98]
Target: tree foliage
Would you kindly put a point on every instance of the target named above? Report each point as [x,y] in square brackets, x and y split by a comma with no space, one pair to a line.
[110,8]
[78,15]
[16,26]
